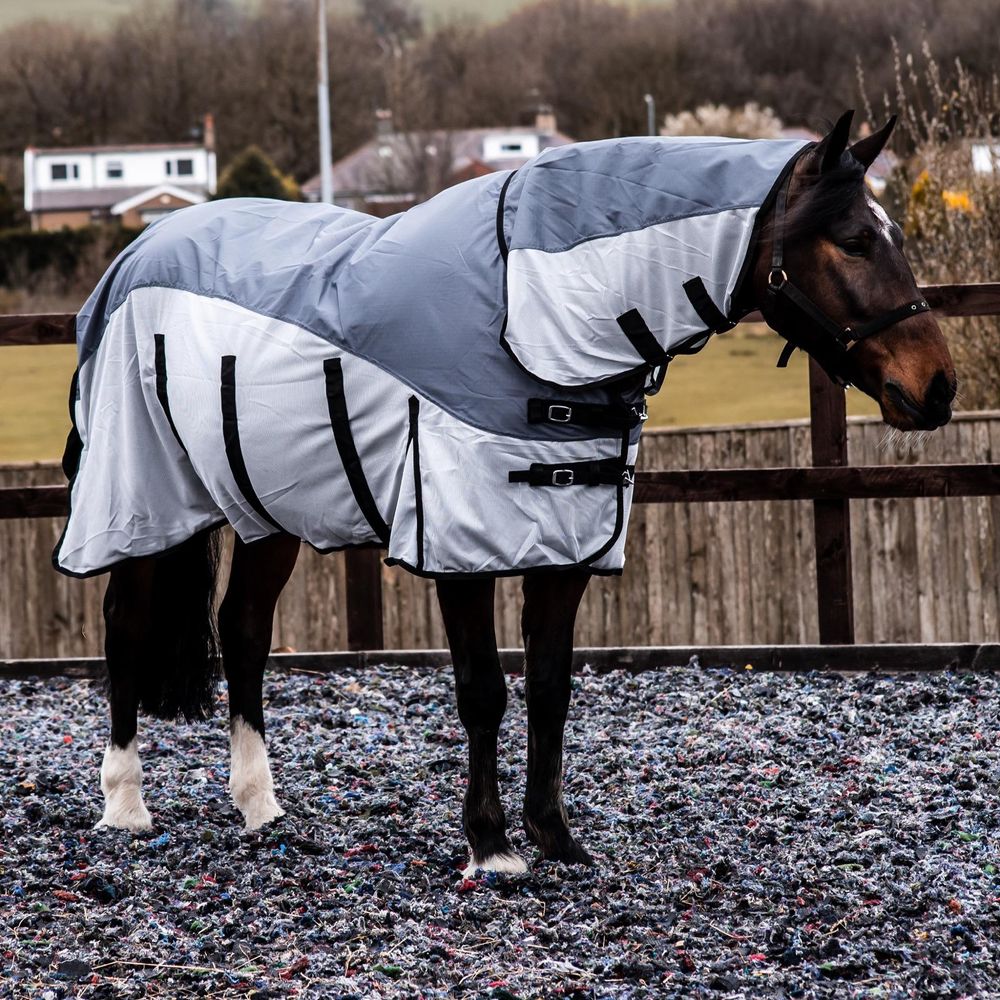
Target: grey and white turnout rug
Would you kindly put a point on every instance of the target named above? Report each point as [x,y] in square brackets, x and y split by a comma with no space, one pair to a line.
[461,383]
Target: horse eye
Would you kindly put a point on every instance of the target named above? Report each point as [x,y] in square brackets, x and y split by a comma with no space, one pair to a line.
[855,247]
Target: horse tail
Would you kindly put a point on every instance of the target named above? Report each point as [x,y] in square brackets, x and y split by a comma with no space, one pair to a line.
[182,671]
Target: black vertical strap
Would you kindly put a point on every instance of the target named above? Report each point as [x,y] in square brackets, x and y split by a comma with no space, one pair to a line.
[161,384]
[641,337]
[340,421]
[501,202]
[708,312]
[418,498]
[231,436]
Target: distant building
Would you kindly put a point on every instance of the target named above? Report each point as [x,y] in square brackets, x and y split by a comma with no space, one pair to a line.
[388,173]
[136,184]
[985,157]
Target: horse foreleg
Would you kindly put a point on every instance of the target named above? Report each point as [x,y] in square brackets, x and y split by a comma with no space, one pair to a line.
[481,692]
[128,620]
[551,601]
[258,575]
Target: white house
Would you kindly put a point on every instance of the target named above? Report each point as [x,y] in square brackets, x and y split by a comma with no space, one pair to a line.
[76,185]
[384,175]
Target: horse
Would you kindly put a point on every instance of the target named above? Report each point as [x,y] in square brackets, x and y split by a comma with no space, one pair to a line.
[814,253]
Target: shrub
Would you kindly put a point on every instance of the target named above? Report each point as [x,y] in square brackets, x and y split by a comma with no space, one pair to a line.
[252,174]
[950,211]
[63,260]
[750,121]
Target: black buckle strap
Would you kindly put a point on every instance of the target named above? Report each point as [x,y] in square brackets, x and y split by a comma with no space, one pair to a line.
[558,411]
[831,354]
[897,315]
[708,312]
[641,338]
[597,472]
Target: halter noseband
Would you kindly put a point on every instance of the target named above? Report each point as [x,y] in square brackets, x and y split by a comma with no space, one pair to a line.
[831,352]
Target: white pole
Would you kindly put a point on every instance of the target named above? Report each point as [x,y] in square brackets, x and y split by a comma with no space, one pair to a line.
[323,103]
[650,114]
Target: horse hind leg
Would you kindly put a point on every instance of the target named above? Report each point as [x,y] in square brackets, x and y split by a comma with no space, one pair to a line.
[551,601]
[128,622]
[259,572]
[481,692]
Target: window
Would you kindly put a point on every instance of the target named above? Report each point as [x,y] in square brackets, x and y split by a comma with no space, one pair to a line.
[512,147]
[115,170]
[64,171]
[170,167]
[185,168]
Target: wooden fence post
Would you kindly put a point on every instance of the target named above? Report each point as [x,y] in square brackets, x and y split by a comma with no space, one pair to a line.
[364,599]
[834,586]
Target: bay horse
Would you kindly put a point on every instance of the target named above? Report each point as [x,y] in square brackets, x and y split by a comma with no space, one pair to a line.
[825,267]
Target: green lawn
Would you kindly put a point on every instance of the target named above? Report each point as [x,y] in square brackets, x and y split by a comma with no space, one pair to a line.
[733,381]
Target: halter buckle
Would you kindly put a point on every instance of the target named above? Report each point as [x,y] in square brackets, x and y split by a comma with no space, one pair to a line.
[776,278]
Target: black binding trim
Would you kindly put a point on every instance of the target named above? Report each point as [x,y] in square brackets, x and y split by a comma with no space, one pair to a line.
[596,472]
[641,338]
[160,361]
[757,232]
[576,414]
[418,495]
[501,203]
[340,422]
[231,436]
[708,312]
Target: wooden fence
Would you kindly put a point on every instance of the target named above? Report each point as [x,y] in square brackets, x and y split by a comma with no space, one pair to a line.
[702,570]
[924,570]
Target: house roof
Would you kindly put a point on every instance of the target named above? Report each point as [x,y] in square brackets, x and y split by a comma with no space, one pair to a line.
[75,199]
[135,147]
[189,194]
[366,169]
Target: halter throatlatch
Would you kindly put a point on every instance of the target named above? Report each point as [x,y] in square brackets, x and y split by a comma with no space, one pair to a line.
[829,351]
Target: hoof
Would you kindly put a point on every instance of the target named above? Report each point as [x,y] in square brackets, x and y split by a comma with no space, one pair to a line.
[134,817]
[508,862]
[569,852]
[556,843]
[259,811]
[121,782]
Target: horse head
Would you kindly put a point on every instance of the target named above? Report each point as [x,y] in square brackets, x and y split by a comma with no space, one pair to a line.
[831,277]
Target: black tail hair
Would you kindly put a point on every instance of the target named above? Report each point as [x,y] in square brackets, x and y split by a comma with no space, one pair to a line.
[182,667]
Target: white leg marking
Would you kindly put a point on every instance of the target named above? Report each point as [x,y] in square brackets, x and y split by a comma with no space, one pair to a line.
[250,782]
[121,782]
[509,864]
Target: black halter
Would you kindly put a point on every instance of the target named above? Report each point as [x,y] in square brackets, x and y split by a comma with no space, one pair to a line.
[830,351]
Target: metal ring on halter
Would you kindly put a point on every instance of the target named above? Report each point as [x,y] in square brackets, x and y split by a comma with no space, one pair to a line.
[781,278]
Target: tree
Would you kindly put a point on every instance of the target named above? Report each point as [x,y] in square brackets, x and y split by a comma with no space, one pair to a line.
[252,174]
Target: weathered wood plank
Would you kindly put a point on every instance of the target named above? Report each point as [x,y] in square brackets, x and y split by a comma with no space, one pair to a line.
[38,328]
[897,658]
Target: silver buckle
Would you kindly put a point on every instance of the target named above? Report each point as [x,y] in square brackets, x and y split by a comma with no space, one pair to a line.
[643,413]
[627,479]
[560,414]
[562,477]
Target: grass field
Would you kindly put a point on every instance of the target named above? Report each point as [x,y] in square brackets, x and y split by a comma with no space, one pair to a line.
[733,381]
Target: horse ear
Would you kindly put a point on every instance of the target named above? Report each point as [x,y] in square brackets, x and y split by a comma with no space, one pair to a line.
[866,150]
[832,146]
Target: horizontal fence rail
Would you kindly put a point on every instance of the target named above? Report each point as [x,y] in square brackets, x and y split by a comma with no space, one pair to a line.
[830,483]
[852,482]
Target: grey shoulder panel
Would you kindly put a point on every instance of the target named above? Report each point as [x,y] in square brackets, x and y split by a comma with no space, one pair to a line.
[589,190]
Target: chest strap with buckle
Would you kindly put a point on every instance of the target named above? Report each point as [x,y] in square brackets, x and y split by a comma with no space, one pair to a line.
[558,411]
[596,472]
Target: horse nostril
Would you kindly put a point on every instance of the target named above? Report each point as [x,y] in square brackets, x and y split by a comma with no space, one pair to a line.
[940,392]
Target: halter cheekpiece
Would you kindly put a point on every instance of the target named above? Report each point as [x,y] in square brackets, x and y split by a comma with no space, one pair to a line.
[831,353]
